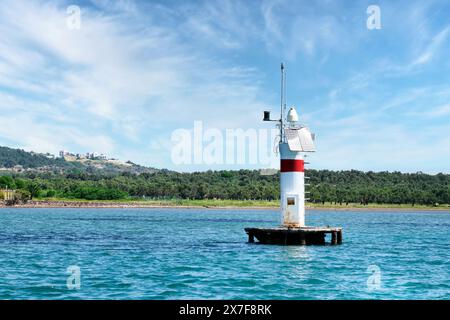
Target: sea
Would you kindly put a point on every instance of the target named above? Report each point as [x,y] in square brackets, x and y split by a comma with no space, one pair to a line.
[60,253]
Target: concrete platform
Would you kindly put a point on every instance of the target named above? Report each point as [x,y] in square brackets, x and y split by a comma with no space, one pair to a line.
[294,236]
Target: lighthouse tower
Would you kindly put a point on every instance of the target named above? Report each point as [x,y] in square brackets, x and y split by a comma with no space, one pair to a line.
[295,140]
[292,187]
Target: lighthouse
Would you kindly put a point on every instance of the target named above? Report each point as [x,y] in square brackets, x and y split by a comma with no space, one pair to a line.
[292,171]
[295,141]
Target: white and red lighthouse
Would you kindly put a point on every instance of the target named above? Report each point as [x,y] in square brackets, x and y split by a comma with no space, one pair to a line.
[292,187]
[295,141]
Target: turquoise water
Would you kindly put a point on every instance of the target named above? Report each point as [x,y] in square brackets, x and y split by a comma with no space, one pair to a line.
[203,254]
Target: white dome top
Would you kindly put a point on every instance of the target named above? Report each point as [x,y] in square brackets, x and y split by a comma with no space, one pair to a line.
[292,115]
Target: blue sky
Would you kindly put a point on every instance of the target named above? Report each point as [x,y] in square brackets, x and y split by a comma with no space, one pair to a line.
[138,70]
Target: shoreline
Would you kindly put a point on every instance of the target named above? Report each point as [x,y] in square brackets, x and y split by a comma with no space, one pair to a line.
[170,205]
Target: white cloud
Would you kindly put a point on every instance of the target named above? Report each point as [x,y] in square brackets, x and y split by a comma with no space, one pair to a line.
[293,28]
[122,75]
[435,112]
[434,45]
[135,71]
[40,137]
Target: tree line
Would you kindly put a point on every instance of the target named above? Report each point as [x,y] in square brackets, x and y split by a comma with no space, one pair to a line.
[342,187]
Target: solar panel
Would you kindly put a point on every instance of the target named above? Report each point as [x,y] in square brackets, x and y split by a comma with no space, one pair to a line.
[293,140]
[306,140]
[300,140]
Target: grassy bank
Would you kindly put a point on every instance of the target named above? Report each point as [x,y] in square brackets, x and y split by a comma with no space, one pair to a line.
[173,202]
[376,206]
[222,204]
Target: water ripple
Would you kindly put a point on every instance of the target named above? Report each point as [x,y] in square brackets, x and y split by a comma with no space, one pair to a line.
[203,254]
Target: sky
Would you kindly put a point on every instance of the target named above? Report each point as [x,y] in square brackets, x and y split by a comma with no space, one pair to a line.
[132,73]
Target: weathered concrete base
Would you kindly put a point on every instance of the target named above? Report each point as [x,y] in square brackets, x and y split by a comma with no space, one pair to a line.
[294,236]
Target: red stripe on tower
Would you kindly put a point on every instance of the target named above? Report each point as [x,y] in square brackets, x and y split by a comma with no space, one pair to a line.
[290,165]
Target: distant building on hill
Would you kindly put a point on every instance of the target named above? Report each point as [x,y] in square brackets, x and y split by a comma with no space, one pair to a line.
[68,156]
[18,168]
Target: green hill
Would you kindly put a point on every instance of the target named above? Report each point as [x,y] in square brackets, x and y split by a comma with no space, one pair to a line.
[9,158]
[20,161]
[97,179]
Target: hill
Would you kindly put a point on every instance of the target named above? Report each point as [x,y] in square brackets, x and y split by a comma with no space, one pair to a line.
[44,177]
[20,161]
[10,158]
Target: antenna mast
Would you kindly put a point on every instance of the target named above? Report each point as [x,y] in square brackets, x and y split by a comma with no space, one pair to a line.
[283,101]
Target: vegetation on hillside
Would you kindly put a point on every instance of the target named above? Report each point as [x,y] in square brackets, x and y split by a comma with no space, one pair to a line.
[13,157]
[341,187]
[36,162]
[75,180]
